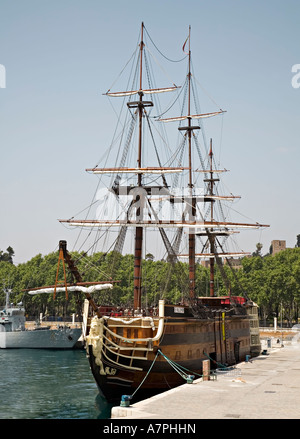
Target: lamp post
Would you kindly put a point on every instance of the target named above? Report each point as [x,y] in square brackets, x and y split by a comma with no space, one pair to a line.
[281,329]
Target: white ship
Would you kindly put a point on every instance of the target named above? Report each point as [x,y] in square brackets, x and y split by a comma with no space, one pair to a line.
[14,335]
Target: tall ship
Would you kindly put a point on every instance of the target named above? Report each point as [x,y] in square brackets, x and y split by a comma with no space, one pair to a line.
[14,335]
[152,188]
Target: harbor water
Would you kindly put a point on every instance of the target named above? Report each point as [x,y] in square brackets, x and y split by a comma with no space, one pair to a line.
[49,384]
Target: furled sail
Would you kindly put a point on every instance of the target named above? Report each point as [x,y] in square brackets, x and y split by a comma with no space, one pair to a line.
[134,92]
[219,255]
[193,116]
[148,170]
[161,223]
[72,288]
[216,171]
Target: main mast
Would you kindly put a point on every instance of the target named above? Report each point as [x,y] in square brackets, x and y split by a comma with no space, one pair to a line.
[192,208]
[139,212]
[192,242]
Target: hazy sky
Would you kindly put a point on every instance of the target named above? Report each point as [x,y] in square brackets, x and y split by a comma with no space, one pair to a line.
[61,55]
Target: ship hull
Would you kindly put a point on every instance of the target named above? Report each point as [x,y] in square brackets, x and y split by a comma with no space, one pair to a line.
[63,338]
[165,362]
[124,382]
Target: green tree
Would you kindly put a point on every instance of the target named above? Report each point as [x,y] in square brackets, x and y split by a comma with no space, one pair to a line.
[8,255]
[272,281]
[259,247]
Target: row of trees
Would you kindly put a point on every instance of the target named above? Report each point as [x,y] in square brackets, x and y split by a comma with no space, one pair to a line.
[273,282]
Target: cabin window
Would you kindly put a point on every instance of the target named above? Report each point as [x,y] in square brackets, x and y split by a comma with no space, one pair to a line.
[119,331]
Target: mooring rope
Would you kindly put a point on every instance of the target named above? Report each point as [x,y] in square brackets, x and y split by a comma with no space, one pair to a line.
[146,374]
[178,368]
[223,366]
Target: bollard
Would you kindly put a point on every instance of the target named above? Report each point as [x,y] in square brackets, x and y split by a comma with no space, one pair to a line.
[190,379]
[206,370]
[125,400]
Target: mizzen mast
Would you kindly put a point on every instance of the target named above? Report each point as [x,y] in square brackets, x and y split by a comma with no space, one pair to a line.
[211,182]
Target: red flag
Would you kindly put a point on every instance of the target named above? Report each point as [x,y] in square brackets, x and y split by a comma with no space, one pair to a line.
[183,47]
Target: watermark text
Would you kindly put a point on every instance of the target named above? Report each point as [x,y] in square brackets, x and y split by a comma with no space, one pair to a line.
[154,206]
[296,78]
[2,76]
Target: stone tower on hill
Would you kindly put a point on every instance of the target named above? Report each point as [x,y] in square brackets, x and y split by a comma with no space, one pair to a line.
[277,246]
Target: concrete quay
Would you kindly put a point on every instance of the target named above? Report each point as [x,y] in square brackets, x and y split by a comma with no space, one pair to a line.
[266,387]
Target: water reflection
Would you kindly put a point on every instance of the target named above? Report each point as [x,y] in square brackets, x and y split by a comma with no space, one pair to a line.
[46,384]
[103,407]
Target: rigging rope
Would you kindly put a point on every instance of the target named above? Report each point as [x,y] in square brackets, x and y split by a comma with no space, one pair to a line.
[171,105]
[168,59]
[122,70]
